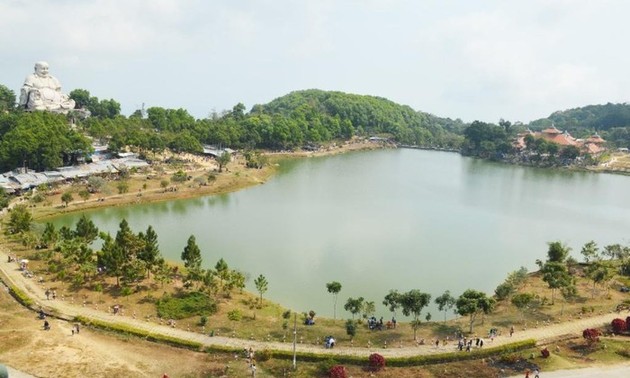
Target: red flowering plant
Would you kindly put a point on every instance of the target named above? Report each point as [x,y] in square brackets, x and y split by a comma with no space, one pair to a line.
[377,362]
[591,335]
[338,371]
[618,326]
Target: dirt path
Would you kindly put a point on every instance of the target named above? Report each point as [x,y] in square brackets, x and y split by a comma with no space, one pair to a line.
[69,310]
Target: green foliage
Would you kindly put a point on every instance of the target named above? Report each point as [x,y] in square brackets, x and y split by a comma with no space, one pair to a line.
[191,256]
[66,198]
[354,305]
[582,121]
[223,160]
[557,252]
[7,99]
[179,176]
[20,220]
[351,328]
[412,303]
[39,140]
[122,186]
[147,335]
[203,320]
[445,302]
[20,296]
[99,109]
[485,140]
[261,285]
[472,303]
[186,305]
[235,315]
[334,288]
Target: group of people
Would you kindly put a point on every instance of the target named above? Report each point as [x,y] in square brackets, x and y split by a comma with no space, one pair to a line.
[51,293]
[375,324]
[463,342]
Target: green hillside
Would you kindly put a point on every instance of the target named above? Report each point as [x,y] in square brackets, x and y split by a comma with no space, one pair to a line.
[368,115]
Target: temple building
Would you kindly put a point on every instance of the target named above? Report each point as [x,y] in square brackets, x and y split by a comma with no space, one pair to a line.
[592,145]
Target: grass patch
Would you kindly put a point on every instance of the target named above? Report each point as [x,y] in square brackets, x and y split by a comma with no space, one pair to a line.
[185,305]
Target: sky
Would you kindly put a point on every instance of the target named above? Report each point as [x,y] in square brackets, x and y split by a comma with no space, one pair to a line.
[468,59]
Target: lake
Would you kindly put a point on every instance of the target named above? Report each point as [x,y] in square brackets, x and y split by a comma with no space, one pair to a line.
[387,219]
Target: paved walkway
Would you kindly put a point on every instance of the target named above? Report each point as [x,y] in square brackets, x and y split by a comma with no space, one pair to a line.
[12,275]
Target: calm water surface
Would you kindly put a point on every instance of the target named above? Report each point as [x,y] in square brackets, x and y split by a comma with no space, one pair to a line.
[391,219]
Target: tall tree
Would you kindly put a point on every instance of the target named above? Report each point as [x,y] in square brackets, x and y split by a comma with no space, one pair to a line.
[392,301]
[556,275]
[472,303]
[223,272]
[261,286]
[150,251]
[354,305]
[590,251]
[192,259]
[445,302]
[412,303]
[86,229]
[20,220]
[334,288]
[7,99]
[557,252]
[223,160]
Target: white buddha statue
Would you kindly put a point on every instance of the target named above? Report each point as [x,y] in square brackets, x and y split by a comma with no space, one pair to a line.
[42,91]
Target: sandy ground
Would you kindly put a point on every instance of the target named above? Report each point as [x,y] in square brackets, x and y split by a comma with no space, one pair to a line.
[59,353]
[616,371]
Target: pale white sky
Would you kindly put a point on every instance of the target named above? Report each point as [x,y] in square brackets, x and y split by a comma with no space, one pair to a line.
[474,60]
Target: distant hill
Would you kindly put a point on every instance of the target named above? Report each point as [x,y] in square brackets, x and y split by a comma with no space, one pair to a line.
[368,114]
[587,119]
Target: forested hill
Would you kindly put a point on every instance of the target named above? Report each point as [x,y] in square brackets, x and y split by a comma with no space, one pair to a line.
[367,115]
[587,119]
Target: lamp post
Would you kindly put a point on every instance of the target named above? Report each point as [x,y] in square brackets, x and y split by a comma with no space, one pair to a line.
[294,340]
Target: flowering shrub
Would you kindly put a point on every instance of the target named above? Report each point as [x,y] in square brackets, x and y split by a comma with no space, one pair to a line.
[377,362]
[544,352]
[618,325]
[591,335]
[338,371]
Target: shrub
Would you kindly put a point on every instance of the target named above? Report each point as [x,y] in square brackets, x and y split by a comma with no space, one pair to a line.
[203,320]
[377,362]
[618,325]
[235,315]
[338,371]
[286,314]
[264,355]
[591,335]
[351,328]
[510,358]
[185,306]
[545,353]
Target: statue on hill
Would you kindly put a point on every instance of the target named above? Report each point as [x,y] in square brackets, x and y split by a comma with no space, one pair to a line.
[42,91]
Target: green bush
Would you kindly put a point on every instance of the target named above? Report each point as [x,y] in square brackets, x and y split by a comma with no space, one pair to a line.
[203,320]
[235,315]
[185,305]
[124,329]
[20,296]
[264,355]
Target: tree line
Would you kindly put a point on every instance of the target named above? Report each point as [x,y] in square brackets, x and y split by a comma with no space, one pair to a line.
[302,118]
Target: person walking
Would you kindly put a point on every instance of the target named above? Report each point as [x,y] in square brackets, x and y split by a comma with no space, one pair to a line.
[536,373]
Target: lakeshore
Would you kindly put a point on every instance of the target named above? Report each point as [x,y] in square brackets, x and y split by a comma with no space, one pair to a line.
[261,337]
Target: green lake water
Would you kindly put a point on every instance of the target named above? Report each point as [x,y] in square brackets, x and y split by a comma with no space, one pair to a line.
[388,219]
